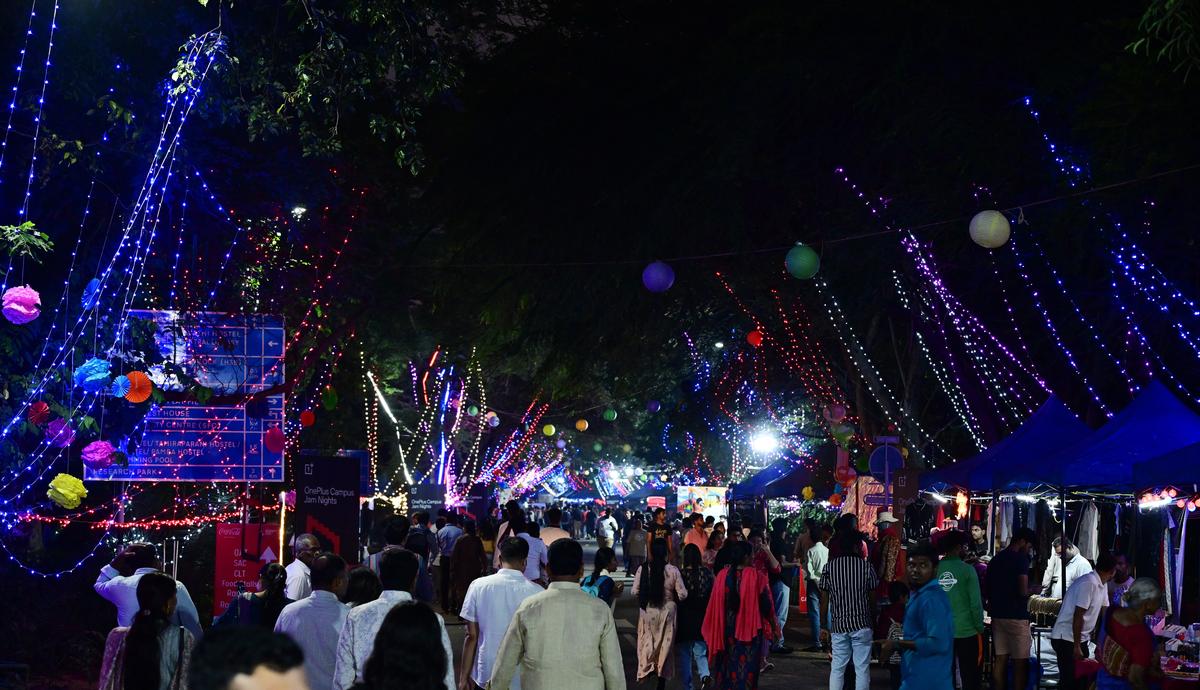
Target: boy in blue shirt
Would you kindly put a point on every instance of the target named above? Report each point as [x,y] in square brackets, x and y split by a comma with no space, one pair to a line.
[928,645]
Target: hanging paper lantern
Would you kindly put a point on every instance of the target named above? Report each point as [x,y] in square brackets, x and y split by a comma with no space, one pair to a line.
[834,414]
[653,406]
[658,277]
[91,294]
[329,398]
[1172,492]
[275,440]
[549,430]
[561,443]
[307,418]
[845,475]
[581,425]
[663,478]
[807,493]
[93,375]
[990,229]
[627,448]
[755,338]
[38,413]
[67,491]
[140,388]
[493,421]
[597,446]
[802,262]
[835,500]
[60,433]
[97,455]
[610,415]
[21,304]
[120,386]
[473,410]
[257,408]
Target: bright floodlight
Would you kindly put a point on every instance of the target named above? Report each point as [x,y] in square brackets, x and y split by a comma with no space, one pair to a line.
[764,442]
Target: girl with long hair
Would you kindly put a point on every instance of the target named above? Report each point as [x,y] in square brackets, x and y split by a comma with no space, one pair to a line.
[259,608]
[154,652]
[740,616]
[658,586]
[408,652]
[600,584]
[715,541]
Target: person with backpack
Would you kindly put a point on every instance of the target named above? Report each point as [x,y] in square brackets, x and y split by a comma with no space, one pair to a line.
[600,583]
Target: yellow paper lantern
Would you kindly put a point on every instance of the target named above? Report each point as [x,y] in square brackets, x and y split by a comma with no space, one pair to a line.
[807,493]
[990,229]
[581,425]
[548,430]
[67,491]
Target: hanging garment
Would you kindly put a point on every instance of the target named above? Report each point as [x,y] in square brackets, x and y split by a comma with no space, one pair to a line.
[1088,532]
[1005,522]
[1165,566]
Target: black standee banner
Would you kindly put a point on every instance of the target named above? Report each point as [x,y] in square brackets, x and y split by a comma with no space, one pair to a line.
[327,503]
[427,497]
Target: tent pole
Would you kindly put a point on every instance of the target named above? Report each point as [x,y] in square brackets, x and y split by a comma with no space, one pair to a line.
[993,511]
[1062,497]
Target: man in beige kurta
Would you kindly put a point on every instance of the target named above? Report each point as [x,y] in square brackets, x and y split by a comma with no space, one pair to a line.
[563,637]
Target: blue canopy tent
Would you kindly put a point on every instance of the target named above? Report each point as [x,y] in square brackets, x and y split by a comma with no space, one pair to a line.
[790,484]
[754,485]
[1155,423]
[1179,468]
[1049,429]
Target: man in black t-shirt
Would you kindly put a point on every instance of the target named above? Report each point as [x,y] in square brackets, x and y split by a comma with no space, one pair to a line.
[659,529]
[1008,603]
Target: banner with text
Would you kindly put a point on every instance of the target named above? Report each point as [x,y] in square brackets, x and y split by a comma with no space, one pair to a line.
[327,503]
[427,497]
[242,550]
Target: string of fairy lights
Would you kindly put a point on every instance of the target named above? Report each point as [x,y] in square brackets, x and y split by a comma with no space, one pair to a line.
[456,440]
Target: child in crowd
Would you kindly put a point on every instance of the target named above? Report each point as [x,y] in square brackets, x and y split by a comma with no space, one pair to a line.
[890,626]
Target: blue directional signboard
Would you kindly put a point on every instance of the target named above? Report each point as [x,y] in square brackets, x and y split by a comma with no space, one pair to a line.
[233,354]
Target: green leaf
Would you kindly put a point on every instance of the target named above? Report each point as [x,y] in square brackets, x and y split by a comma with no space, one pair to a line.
[203,394]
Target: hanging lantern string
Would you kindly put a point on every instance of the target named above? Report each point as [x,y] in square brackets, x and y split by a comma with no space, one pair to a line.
[836,240]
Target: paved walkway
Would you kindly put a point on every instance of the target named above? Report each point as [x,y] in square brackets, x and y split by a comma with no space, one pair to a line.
[796,671]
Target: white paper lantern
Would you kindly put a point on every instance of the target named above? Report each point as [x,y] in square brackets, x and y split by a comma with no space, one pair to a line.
[990,229]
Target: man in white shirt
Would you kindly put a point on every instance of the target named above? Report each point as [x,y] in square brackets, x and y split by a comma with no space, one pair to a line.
[562,638]
[299,582]
[553,530]
[314,622]
[535,565]
[1081,609]
[814,565]
[488,608]
[398,574]
[606,530]
[1077,565]
[119,579]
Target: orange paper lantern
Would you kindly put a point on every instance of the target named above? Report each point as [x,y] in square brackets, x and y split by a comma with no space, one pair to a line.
[835,500]
[140,387]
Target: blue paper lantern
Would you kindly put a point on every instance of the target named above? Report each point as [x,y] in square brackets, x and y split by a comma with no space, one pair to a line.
[658,277]
[91,294]
[653,406]
[93,375]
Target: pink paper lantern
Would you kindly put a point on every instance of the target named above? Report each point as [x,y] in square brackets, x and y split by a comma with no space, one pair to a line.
[97,455]
[22,304]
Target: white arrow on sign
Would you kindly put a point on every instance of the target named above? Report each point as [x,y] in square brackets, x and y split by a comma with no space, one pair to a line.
[268,556]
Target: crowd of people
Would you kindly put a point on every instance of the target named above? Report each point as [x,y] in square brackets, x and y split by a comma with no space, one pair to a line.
[712,596]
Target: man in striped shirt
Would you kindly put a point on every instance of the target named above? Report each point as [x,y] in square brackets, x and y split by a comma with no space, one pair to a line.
[847,585]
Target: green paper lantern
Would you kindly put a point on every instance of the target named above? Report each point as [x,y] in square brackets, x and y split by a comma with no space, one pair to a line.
[802,262]
[610,415]
[597,447]
[329,398]
[548,430]
[473,410]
